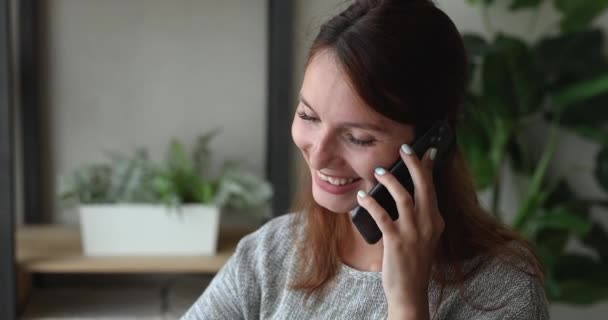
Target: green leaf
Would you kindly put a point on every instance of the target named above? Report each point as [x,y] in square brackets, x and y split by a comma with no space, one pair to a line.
[581,293]
[476,45]
[475,141]
[596,134]
[518,156]
[535,196]
[523,4]
[512,81]
[483,170]
[597,239]
[206,193]
[240,190]
[499,137]
[577,15]
[580,92]
[497,87]
[567,58]
[574,266]
[552,287]
[587,113]
[178,158]
[550,245]
[560,194]
[576,68]
[601,167]
[561,219]
[581,279]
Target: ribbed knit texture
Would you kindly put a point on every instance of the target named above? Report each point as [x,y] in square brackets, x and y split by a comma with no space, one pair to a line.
[253,284]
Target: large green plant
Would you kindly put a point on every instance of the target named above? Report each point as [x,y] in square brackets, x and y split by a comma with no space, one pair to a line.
[561,82]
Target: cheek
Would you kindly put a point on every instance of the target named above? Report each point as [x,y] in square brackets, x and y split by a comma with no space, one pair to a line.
[298,135]
[366,164]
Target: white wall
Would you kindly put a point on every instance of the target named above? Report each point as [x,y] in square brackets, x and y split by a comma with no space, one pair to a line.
[573,151]
[123,74]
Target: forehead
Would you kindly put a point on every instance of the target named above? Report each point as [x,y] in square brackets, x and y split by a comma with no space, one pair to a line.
[327,88]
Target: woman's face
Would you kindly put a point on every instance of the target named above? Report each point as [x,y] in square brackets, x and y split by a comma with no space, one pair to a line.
[341,138]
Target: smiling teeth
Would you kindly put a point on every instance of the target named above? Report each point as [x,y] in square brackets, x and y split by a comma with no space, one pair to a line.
[335,181]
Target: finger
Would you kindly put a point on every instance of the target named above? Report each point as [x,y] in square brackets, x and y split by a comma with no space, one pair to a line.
[428,160]
[403,199]
[380,216]
[424,192]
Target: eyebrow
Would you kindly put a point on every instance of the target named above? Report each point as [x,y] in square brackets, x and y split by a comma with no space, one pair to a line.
[366,126]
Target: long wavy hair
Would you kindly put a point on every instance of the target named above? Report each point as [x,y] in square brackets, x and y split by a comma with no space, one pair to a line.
[407,61]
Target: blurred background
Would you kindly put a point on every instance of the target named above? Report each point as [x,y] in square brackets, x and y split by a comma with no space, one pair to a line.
[117,114]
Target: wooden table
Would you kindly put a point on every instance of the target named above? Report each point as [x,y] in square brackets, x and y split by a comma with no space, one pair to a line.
[57,249]
[52,249]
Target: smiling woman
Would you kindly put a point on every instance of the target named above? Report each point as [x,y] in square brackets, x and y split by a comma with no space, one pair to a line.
[379,74]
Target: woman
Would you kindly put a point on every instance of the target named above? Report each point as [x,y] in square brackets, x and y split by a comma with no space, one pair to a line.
[378,75]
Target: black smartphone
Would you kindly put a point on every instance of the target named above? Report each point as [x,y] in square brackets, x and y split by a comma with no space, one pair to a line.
[439,136]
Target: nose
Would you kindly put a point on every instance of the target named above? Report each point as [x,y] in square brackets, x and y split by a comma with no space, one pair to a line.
[324,153]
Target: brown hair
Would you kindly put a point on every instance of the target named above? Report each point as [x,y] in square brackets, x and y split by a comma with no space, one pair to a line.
[407,61]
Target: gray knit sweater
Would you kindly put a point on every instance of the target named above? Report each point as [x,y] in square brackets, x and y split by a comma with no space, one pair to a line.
[253,285]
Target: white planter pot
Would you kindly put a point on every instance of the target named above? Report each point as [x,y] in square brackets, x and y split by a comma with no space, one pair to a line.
[138,229]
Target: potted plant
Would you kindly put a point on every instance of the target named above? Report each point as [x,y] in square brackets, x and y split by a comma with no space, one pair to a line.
[133,206]
[559,82]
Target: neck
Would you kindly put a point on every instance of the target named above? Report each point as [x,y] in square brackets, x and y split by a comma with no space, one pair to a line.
[359,254]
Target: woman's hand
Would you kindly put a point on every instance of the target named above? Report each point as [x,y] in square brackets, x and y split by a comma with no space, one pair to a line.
[410,241]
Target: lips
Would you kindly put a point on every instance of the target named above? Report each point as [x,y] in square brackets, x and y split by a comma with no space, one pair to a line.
[337,189]
[337,181]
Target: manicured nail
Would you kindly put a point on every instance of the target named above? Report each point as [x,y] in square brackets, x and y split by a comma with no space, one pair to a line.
[433,153]
[406,149]
[380,171]
[361,194]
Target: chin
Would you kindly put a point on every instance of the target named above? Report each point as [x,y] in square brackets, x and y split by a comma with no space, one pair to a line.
[339,204]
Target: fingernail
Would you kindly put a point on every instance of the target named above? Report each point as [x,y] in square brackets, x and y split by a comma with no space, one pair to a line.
[361,194]
[406,149]
[433,153]
[380,171]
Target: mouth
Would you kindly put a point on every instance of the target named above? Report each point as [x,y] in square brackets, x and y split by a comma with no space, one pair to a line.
[336,181]
[337,186]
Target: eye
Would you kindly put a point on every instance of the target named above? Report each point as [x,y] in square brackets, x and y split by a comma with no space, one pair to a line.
[362,143]
[306,117]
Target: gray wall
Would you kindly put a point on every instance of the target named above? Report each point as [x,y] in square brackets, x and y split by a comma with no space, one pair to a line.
[123,74]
